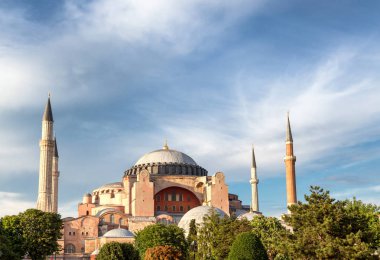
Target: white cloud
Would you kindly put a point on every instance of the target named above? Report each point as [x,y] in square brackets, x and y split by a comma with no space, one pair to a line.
[175,25]
[369,194]
[333,105]
[13,203]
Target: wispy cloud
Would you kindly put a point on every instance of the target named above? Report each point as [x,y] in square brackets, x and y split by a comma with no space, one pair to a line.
[13,203]
[211,77]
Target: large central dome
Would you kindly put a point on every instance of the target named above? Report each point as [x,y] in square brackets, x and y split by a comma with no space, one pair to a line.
[167,162]
[165,155]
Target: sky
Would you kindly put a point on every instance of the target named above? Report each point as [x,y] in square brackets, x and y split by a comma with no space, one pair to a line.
[212,77]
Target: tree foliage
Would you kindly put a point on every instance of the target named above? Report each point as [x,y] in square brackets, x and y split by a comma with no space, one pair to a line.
[33,233]
[12,232]
[271,233]
[216,235]
[163,253]
[192,236]
[6,251]
[328,229]
[118,251]
[247,246]
[161,235]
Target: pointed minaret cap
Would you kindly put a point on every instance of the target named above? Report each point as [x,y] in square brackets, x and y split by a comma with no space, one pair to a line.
[55,148]
[253,163]
[48,114]
[165,147]
[289,137]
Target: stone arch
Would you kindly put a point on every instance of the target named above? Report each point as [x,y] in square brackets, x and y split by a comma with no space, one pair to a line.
[174,200]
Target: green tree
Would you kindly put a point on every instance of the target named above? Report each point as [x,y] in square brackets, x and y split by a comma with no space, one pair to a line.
[161,235]
[324,228]
[118,251]
[247,246]
[216,235]
[40,232]
[163,253]
[192,236]
[12,231]
[33,233]
[272,234]
[6,251]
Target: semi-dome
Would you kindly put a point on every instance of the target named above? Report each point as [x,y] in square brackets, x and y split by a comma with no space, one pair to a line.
[197,213]
[166,161]
[119,233]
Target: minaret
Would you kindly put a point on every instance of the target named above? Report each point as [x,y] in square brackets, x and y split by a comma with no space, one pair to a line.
[46,160]
[55,175]
[290,164]
[254,181]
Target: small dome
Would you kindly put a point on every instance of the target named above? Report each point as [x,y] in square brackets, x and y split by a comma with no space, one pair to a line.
[165,155]
[119,232]
[249,215]
[197,213]
[112,185]
[87,195]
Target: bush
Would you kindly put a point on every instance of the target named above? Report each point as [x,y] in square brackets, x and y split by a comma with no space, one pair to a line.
[163,253]
[161,235]
[247,246]
[118,251]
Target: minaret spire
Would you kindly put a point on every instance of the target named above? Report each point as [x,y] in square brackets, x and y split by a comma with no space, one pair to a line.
[254,181]
[48,114]
[290,166]
[289,137]
[55,176]
[46,160]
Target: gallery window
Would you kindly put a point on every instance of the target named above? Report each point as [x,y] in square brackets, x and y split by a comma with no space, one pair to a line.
[69,249]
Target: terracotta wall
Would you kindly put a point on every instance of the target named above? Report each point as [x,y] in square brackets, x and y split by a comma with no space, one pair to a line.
[175,200]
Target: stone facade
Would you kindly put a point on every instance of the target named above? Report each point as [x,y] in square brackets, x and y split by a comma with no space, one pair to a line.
[162,186]
[145,195]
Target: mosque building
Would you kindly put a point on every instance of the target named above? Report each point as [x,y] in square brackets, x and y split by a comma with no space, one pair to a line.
[164,185]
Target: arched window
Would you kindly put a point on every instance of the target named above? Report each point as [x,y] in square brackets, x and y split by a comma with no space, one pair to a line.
[120,221]
[69,249]
[87,212]
[112,218]
[112,194]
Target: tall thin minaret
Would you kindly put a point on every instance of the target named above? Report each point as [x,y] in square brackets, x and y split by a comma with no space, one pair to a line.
[46,160]
[55,175]
[290,164]
[254,181]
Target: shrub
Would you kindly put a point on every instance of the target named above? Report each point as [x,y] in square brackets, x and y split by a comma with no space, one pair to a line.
[163,253]
[118,251]
[247,246]
[161,235]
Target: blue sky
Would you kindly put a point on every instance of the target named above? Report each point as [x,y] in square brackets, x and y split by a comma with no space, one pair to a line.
[212,77]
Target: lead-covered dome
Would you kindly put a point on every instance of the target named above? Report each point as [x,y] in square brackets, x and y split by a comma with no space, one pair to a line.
[165,156]
[119,233]
[198,213]
[249,215]
[167,162]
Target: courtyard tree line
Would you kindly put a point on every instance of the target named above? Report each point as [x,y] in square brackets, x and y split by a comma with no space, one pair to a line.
[319,228]
[32,233]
